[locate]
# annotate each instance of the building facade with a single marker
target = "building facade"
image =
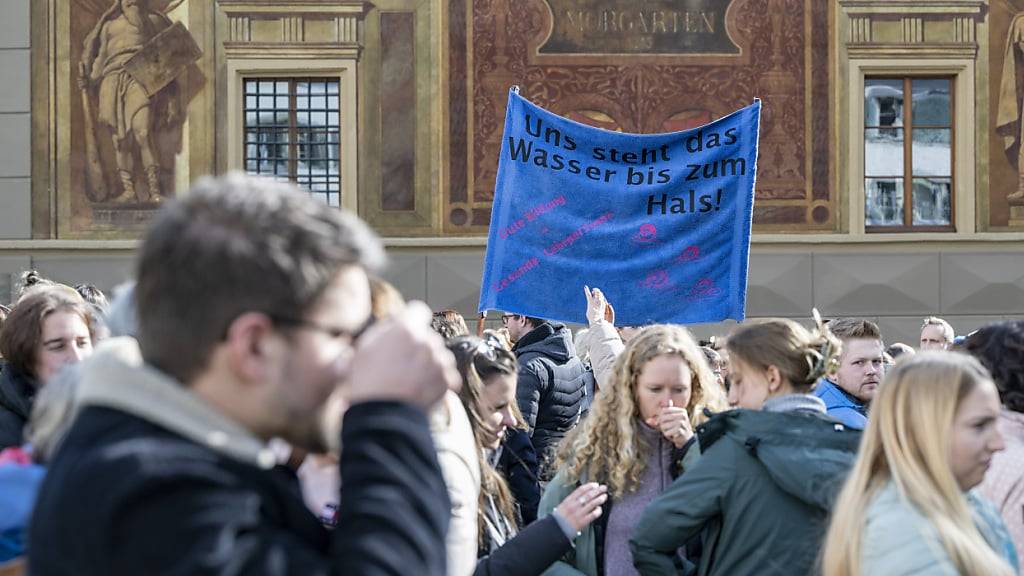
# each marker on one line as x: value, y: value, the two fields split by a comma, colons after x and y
x: 890, y: 180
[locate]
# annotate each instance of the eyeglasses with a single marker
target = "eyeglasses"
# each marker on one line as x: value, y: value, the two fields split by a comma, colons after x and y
x: 333, y: 332
x: 505, y: 317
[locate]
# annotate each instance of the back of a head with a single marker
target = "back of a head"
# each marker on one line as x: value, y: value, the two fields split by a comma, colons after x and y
x: 498, y: 337
x: 23, y: 328
x: 28, y: 282
x: 93, y: 295
x: 801, y: 356
x: 898, y: 350
x: 232, y: 245
x: 854, y: 329
x: 907, y: 442
x: 1000, y: 348
x: 449, y: 324
x: 385, y: 299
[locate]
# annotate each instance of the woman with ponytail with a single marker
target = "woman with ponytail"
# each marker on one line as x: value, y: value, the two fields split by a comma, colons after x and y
x: 908, y: 507
x: 488, y: 394
x: 760, y: 492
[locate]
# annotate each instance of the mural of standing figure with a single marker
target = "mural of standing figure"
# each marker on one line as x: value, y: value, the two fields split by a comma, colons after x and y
x: 1011, y: 102
x: 128, y: 69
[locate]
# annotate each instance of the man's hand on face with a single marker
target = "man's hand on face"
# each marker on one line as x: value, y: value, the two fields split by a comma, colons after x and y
x: 402, y: 359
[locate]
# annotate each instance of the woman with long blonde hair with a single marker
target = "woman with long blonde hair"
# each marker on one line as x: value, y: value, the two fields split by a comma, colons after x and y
x: 907, y: 507
x: 632, y: 442
x: 759, y: 494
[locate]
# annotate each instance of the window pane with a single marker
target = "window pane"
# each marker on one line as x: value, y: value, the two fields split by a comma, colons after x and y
x: 883, y: 102
x: 931, y: 102
x: 932, y: 201
x: 314, y: 125
x: 266, y: 127
x: 272, y: 117
x: 931, y: 152
x: 883, y: 201
x: 883, y: 152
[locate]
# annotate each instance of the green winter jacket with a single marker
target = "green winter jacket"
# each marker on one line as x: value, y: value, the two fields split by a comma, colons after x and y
x: 760, y: 492
x: 583, y: 559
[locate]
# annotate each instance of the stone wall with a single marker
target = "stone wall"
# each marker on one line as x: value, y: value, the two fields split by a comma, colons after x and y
x: 15, y: 121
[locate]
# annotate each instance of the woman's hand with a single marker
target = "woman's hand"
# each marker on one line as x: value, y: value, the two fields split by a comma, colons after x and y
x: 674, y: 424
x: 598, y: 307
x: 583, y: 506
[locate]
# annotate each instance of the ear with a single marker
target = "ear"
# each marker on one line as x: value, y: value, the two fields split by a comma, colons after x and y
x: 774, y: 378
x: 249, y: 345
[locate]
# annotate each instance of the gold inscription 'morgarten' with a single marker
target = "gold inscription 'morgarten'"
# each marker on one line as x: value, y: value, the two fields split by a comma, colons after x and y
x: 639, y: 27
x: 588, y: 22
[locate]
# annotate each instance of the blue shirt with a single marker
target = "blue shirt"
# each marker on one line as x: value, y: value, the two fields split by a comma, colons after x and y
x: 841, y: 406
x: 19, y: 486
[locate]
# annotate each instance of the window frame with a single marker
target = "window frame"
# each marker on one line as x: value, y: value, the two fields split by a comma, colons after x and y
x: 908, y: 177
x: 850, y: 141
x: 341, y: 69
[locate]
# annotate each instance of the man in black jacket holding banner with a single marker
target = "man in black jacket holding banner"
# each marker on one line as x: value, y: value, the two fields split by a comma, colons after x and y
x: 253, y: 309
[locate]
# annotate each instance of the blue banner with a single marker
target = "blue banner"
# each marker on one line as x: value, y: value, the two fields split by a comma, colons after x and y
x: 659, y: 222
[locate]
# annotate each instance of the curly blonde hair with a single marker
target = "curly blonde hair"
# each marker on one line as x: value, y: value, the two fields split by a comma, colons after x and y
x: 607, y: 446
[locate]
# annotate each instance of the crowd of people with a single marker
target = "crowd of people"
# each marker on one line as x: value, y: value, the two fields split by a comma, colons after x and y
x: 259, y: 401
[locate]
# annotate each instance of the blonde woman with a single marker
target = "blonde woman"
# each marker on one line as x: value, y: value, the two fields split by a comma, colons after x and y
x: 632, y: 441
x: 908, y: 507
x: 759, y: 494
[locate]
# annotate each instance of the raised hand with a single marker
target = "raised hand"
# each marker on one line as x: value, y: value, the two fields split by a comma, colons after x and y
x: 583, y: 506
x: 598, y: 307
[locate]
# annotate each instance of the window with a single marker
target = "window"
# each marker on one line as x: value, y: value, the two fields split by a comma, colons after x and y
x: 908, y: 154
x: 293, y: 133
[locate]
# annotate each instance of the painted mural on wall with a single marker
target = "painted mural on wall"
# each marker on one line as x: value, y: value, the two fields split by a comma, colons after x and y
x: 601, y: 75
x: 1006, y: 201
x: 131, y: 64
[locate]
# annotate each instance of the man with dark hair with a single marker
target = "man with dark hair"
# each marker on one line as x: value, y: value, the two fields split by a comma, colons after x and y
x: 848, y: 393
x: 253, y: 308
x: 552, y: 382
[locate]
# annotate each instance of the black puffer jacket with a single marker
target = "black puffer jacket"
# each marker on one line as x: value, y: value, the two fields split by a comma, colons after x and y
x: 551, y: 386
x: 16, y: 393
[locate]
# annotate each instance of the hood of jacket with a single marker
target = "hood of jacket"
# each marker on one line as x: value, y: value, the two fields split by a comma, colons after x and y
x: 807, y: 456
x: 117, y: 377
x: 550, y: 339
x: 16, y: 391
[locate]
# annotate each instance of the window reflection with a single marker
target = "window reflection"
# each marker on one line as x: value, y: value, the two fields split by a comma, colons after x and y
x: 908, y: 153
